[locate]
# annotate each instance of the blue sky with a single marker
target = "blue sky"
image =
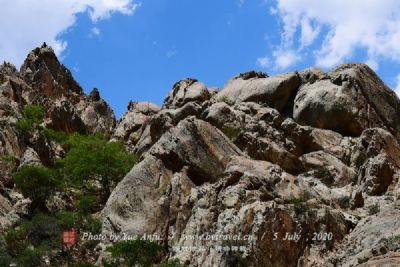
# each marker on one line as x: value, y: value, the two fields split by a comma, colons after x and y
x: 138, y: 50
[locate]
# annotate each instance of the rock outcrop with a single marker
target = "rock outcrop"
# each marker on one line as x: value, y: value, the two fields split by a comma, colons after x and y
x: 305, y: 153
x: 299, y: 169
x: 350, y: 101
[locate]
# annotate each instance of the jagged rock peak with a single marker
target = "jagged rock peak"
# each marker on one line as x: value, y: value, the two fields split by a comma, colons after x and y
x: 8, y: 69
x: 94, y: 95
x: 42, y: 70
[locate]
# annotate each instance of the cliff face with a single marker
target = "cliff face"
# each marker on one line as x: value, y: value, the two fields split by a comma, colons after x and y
x: 312, y: 156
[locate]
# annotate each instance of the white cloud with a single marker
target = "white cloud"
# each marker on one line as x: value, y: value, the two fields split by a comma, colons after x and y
x: 285, y: 58
x: 95, y: 31
x: 397, y: 88
x: 263, y: 62
x: 371, y: 25
x: 26, y: 24
x: 308, y: 32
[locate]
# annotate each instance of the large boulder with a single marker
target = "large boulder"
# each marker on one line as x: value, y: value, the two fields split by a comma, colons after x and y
x: 376, y: 175
x: 275, y: 91
x: 193, y: 152
x: 130, y: 122
x: 198, y: 145
x: 185, y: 91
x: 328, y: 168
x: 353, y: 99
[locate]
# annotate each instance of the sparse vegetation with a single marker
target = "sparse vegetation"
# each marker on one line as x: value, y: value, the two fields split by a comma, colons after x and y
x: 324, y: 174
x: 344, y: 202
x: 390, y: 244
x: 299, y: 203
x: 37, y: 183
x: 31, y: 257
x: 139, y: 253
x: 172, y: 263
x: 8, y: 158
x: 226, y: 99
x: 373, y: 209
x: 231, y: 132
x: 33, y: 116
x: 136, y: 252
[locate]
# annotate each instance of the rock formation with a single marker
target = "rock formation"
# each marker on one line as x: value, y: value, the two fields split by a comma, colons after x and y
x: 309, y: 155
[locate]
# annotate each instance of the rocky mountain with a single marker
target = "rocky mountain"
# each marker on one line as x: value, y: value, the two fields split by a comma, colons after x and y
x: 305, y: 165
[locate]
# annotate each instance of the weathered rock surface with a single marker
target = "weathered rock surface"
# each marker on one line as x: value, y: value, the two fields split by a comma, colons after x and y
x: 274, y: 91
x: 44, y: 73
x: 353, y: 99
x: 303, y: 157
x: 186, y: 91
x: 312, y: 156
x: 374, y: 236
x: 194, y: 149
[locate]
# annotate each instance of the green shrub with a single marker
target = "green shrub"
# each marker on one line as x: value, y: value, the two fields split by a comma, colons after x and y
x: 84, y: 204
x: 324, y: 174
x: 300, y: 205
x: 44, y: 230
x: 91, y: 224
x: 344, y: 202
x: 373, y: 209
x: 5, y: 257
x: 31, y: 257
x: 36, y: 183
x: 8, y: 158
x: 33, y: 116
x: 57, y: 136
x: 16, y: 240
x: 67, y: 220
x: 137, y: 252
x: 230, y: 132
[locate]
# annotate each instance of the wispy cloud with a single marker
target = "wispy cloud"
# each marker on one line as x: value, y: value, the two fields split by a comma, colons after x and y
x: 285, y: 58
x: 95, y: 31
x: 171, y: 53
x: 263, y: 62
x: 28, y: 23
x: 370, y: 25
x: 397, y: 88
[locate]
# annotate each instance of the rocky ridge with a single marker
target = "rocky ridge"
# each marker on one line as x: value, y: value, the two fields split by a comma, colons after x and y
x: 305, y: 152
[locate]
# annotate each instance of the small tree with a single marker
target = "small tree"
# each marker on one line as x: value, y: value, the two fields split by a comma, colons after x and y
x: 36, y: 183
x: 33, y: 116
x: 93, y: 157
